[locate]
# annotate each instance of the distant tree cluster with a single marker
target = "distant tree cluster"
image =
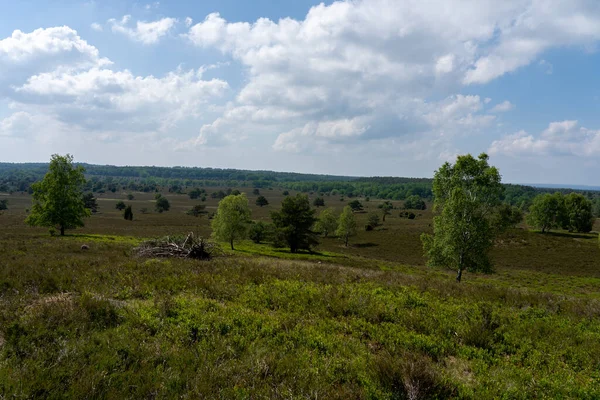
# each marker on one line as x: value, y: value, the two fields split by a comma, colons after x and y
x: 414, y: 203
x: 572, y: 212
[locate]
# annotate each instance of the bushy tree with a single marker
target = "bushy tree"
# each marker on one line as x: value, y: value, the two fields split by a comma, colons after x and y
x: 257, y: 232
x: 130, y: 197
x: 578, y: 213
x: 58, y: 199
x: 346, y: 225
x: 327, y: 222
x: 507, y: 216
x: 195, y: 193
x: 197, y: 210
x: 231, y: 221
x: 90, y: 202
x: 256, y: 192
x: 547, y: 211
x: 319, y: 202
x: 162, y: 204
x: 373, y: 220
x: 262, y: 201
x: 120, y: 205
x: 466, y: 197
x: 355, y: 205
x: 386, y: 209
x: 414, y: 202
x: 295, y: 221
x: 3, y: 204
x: 128, y: 213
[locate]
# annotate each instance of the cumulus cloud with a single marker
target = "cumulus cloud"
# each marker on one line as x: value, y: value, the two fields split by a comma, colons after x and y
x: 380, y: 62
x: 560, y: 138
x: 503, y: 107
x: 144, y: 32
x: 96, y: 27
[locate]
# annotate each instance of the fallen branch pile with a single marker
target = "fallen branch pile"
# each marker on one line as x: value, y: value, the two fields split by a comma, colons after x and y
x: 179, y: 246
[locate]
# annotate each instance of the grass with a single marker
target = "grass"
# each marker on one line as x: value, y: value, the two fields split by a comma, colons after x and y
x: 368, y: 321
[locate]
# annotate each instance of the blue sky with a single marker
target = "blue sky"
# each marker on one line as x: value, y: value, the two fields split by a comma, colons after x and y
x: 371, y: 87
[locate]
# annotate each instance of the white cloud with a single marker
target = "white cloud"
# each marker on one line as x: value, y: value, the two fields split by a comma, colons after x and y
x: 96, y: 27
x: 144, y: 32
x: 188, y: 22
x: 560, y: 138
x: 503, y: 107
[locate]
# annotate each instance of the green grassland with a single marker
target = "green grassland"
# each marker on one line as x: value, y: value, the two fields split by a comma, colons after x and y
x: 368, y: 321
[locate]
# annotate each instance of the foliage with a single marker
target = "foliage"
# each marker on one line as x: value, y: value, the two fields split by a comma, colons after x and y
x: 547, y: 212
x: 373, y: 220
x: 578, y: 213
x: 407, y: 214
x: 58, y: 201
x: 120, y: 205
x: 162, y: 204
x: 319, y: 202
x: 256, y: 191
x: 257, y: 232
x: 195, y: 193
x: 386, y: 209
x: 262, y: 201
x: 355, y: 205
x: 285, y: 193
x: 507, y: 216
x: 327, y: 222
x: 414, y: 202
x: 128, y: 213
x: 295, y: 220
x: 232, y: 218
x: 466, y: 196
x: 346, y: 225
x: 130, y: 196
x: 197, y: 210
x: 90, y: 202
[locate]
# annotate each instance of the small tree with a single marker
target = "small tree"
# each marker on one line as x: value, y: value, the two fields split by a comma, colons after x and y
x: 346, y: 225
x: 128, y: 213
x: 258, y: 231
x: 319, y: 202
x: 466, y: 197
x: 195, y: 193
x: 262, y: 201
x: 130, y: 197
x: 295, y: 221
x: 386, y: 209
x: 58, y: 201
x: 120, y: 206
x: 256, y: 192
x: 547, y: 211
x: 355, y: 205
x: 373, y: 220
x: 90, y: 202
x: 327, y: 222
x: 285, y: 193
x: 578, y: 213
x: 162, y: 204
x: 4, y: 204
x: 230, y: 223
x: 197, y: 210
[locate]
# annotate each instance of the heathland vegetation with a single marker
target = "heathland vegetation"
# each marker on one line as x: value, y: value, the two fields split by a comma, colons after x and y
x: 299, y: 303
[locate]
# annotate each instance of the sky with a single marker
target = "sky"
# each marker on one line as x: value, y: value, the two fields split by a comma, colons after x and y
x: 363, y: 87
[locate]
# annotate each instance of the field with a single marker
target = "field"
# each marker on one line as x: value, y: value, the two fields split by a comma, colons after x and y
x: 367, y: 321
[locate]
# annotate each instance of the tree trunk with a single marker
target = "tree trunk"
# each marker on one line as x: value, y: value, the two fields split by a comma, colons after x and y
x: 62, y: 230
x: 231, y: 242
x: 459, y: 275
x: 383, y: 217
x: 346, y: 240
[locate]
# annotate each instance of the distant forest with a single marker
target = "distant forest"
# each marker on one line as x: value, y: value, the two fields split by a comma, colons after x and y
x: 105, y: 178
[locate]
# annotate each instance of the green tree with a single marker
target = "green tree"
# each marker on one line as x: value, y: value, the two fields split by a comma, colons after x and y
x: 120, y: 205
x: 578, y: 213
x: 231, y: 221
x: 258, y: 231
x: 58, y: 199
x: 355, y: 205
x: 255, y: 191
x: 195, y: 193
x: 466, y: 197
x: 373, y: 220
x: 128, y: 213
x: 90, y: 202
x: 327, y: 222
x: 197, y: 210
x: 547, y: 211
x: 507, y: 216
x: 319, y: 202
x: 346, y: 225
x: 130, y: 197
x: 262, y: 201
x: 162, y: 204
x: 295, y: 221
x: 3, y: 204
x: 414, y: 202
x: 386, y: 209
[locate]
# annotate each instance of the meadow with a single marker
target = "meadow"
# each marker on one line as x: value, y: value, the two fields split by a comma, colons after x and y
x: 367, y: 321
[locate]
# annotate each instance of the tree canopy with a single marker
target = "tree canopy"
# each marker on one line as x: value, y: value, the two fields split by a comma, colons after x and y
x: 262, y: 201
x: 232, y: 219
x: 346, y: 225
x: 327, y: 222
x: 466, y: 197
x: 295, y: 221
x: 547, y: 212
x: 58, y: 198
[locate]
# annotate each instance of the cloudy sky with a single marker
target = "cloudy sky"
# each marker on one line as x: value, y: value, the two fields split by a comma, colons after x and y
x: 371, y: 87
